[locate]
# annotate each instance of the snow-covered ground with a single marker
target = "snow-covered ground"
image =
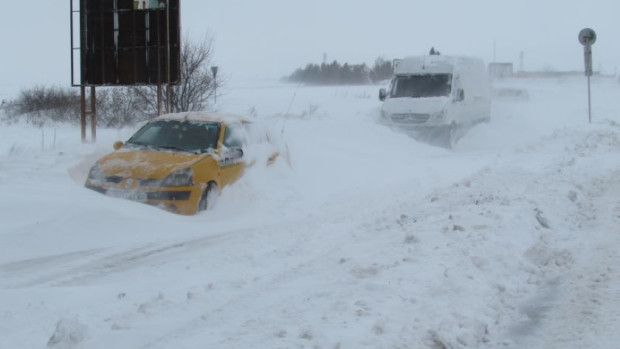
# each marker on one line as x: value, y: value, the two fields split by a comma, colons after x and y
x: 367, y: 239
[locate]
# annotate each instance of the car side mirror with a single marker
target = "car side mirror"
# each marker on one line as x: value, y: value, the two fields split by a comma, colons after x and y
x: 382, y: 94
x: 234, y: 152
x: 117, y: 145
x: 460, y: 95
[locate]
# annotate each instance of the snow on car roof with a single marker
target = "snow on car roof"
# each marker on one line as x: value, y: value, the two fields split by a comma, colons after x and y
x: 202, y: 116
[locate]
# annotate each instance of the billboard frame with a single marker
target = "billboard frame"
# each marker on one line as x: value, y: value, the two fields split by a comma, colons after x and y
x: 108, y: 37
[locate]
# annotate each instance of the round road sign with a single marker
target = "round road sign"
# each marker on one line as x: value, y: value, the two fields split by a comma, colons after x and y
x: 587, y: 37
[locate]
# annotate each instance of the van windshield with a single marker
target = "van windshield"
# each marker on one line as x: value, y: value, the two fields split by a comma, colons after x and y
x: 416, y: 86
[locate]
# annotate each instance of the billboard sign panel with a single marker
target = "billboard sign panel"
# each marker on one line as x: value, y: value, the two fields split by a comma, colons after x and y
x: 129, y: 42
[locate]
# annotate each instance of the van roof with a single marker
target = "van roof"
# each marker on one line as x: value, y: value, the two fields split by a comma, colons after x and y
x: 431, y: 64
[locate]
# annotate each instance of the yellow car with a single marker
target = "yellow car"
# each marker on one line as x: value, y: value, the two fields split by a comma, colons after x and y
x: 175, y: 161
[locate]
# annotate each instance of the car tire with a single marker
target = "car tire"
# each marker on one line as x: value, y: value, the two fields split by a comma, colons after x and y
x: 208, y: 197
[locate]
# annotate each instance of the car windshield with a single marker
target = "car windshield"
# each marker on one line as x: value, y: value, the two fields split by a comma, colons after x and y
x: 416, y: 86
x: 190, y: 136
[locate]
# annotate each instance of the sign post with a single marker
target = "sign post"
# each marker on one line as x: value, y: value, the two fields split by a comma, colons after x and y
x: 214, y: 71
x: 587, y: 37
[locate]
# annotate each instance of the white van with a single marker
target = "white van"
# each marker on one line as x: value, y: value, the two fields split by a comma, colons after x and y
x: 437, y: 97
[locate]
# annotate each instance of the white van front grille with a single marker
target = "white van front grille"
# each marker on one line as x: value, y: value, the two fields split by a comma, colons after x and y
x: 410, y: 118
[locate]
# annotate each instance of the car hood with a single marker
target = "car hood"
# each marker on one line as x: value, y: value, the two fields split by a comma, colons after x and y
x: 147, y: 163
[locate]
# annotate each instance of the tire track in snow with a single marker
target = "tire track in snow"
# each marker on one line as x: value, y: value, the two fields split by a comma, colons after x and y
x: 264, y: 288
x: 82, y: 267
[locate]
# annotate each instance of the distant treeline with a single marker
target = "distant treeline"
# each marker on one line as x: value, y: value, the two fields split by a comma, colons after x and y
x: 343, y: 74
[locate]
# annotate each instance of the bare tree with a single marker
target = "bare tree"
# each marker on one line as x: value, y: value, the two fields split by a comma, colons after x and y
x: 119, y: 106
x: 115, y: 106
x: 197, y: 85
x: 41, y: 104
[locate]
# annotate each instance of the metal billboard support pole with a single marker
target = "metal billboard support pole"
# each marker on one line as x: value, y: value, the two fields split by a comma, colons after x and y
x: 169, y: 86
x: 158, y: 99
x: 93, y: 114
x: 83, y: 112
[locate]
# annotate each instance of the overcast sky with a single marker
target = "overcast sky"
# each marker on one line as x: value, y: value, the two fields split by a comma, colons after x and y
x: 271, y: 38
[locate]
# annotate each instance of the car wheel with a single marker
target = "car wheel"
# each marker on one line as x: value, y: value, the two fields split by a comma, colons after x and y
x: 208, y: 196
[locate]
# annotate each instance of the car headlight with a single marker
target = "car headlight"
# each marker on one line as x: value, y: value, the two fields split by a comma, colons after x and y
x: 180, y: 178
x: 440, y: 116
x: 95, y: 174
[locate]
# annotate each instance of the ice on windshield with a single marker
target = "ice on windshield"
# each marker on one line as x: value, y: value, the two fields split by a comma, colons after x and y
x: 416, y: 86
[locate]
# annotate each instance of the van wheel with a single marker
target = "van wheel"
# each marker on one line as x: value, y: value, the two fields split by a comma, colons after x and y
x: 207, y: 198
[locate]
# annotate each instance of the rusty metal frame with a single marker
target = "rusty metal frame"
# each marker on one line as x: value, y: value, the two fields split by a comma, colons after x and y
x: 92, y: 111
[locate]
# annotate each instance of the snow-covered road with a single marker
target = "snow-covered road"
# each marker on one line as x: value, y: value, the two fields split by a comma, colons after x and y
x: 367, y: 239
